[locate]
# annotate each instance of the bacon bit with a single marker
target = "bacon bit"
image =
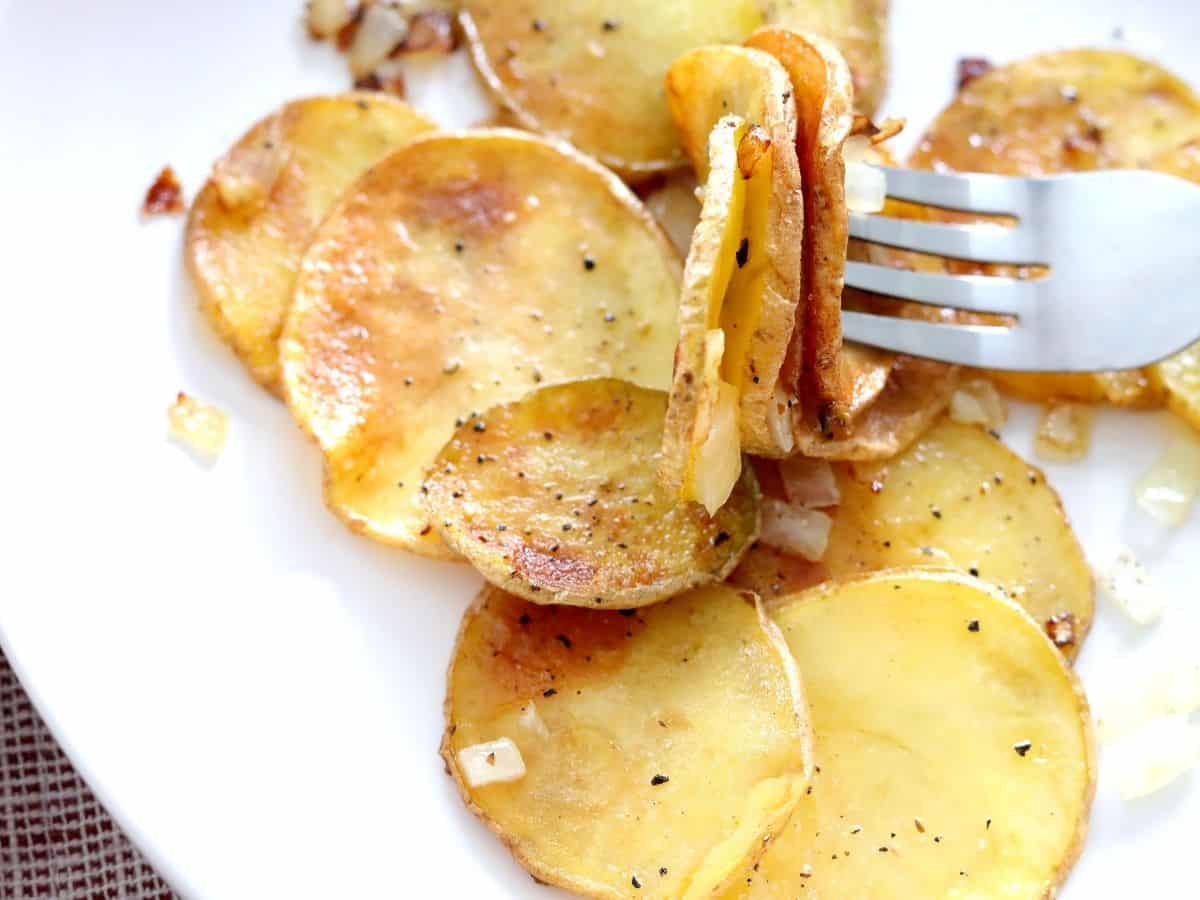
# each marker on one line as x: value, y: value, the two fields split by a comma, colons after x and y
x: 751, y: 148
x: 877, y: 134
x: 165, y: 196
x: 430, y: 32
x: 970, y: 68
x: 1060, y: 628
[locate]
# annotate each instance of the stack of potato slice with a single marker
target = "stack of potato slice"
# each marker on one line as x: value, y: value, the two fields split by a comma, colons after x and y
x: 505, y: 361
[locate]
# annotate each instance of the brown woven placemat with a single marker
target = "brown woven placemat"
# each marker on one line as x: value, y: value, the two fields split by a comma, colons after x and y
x: 56, y: 840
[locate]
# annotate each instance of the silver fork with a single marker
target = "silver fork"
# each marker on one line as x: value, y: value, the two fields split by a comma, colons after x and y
x: 1122, y: 247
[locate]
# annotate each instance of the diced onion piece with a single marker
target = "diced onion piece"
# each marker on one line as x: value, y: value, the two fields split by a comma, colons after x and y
x: 327, y: 17
x: 1155, y: 755
x: 1064, y: 433
x: 719, y: 460
x: 866, y: 188
x: 779, y: 420
x: 245, y: 176
x: 1127, y: 583
x: 1171, y: 691
x: 857, y: 149
x: 977, y: 402
x: 491, y: 762
x: 1168, y: 491
x: 531, y: 721
x: 199, y: 426
x: 809, y: 482
x: 795, y: 530
x: 384, y: 28
x: 675, y: 207
x: 431, y: 31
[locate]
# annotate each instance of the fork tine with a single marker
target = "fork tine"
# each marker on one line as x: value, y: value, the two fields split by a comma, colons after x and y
x: 976, y: 243
x: 978, y: 293
x: 985, y: 346
x: 984, y: 194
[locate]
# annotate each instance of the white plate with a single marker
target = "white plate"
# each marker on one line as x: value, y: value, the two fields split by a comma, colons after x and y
x: 255, y: 693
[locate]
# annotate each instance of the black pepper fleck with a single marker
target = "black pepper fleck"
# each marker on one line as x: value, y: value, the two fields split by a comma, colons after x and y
x: 564, y: 640
x: 1022, y: 747
x: 549, y: 692
x: 589, y: 263
x: 743, y: 252
x: 634, y: 881
x: 721, y: 538
x: 973, y: 625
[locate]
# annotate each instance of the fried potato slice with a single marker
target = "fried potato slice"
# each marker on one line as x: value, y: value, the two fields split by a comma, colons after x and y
x: 822, y: 90
x: 955, y: 746
x: 757, y: 311
x: 555, y: 497
x: 958, y: 498
x: 858, y: 28
x: 251, y: 223
x: 701, y: 447
x: 661, y: 749
x: 592, y: 72
x: 1071, y: 110
x: 459, y: 274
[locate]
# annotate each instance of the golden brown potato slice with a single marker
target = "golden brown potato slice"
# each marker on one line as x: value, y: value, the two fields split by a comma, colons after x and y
x: 458, y: 274
x: 958, y: 498
x: 592, y: 72
x: 954, y: 747
x: 822, y: 91
x: 253, y: 220
x: 556, y: 497
x: 701, y: 451
x: 660, y: 751
x: 757, y: 312
x: 1071, y: 110
x: 858, y: 28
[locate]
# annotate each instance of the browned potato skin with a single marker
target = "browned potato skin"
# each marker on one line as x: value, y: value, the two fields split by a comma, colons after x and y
x: 458, y: 274
x: 915, y: 393
x: 1072, y: 110
x: 591, y: 72
x: 940, y: 505
x: 509, y: 652
x: 243, y: 262
x: 858, y: 28
x: 567, y: 506
x: 822, y: 90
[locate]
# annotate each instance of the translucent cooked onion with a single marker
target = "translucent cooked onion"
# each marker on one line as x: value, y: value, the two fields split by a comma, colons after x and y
x: 1168, y: 491
x: 1064, y: 433
x: 531, y: 720
x: 491, y: 762
x: 977, y: 402
x: 1154, y: 756
x: 327, y: 17
x: 1126, y: 582
x: 199, y: 426
x: 779, y: 420
x: 866, y: 188
x: 809, y: 482
x: 383, y: 28
x: 245, y: 176
x: 794, y: 529
x: 675, y: 207
x: 1171, y: 691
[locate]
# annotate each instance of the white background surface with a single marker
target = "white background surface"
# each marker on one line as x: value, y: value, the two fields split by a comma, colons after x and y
x: 253, y: 691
